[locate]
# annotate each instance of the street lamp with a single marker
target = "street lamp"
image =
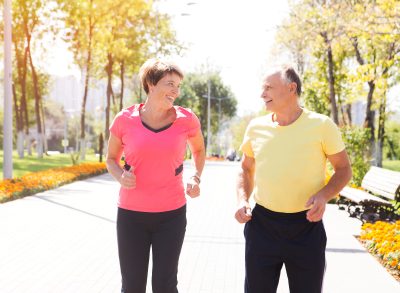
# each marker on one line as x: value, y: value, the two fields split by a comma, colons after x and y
x: 7, y: 126
x: 209, y: 98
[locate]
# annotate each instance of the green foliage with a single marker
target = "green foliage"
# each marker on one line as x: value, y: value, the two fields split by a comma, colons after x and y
x: 238, y: 129
x: 75, y: 156
x: 1, y: 125
x: 392, y: 165
x: 315, y: 95
x: 392, y: 140
x: 356, y: 140
x: 194, y: 95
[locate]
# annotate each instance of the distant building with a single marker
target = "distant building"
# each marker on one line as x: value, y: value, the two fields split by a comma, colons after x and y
x: 68, y: 91
x: 358, y: 109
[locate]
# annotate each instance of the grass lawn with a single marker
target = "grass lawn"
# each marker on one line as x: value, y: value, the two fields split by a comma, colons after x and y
x: 33, y: 163
x: 392, y: 165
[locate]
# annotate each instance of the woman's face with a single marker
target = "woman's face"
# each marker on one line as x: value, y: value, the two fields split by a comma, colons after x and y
x: 166, y: 90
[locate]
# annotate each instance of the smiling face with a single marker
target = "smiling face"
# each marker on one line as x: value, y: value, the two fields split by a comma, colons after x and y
x: 166, y: 90
x: 277, y: 93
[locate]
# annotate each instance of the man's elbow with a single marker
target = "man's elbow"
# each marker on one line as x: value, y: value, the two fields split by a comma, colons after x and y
x: 348, y: 173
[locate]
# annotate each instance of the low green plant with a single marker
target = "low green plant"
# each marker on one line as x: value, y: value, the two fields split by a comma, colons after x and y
x: 357, y: 144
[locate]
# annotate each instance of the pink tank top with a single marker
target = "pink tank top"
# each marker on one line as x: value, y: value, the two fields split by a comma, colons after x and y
x: 157, y: 158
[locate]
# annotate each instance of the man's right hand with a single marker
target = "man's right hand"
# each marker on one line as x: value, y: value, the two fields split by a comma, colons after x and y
x: 243, y: 213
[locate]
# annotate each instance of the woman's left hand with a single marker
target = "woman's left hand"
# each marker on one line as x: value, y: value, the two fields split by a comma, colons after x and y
x: 192, y: 188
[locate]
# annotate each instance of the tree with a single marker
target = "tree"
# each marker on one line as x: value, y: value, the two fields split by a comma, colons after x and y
x: 194, y: 95
x: 29, y: 17
x: 375, y: 38
x: 103, y: 34
x: 126, y: 44
x: 321, y: 22
x: 82, y: 20
x: 346, y: 47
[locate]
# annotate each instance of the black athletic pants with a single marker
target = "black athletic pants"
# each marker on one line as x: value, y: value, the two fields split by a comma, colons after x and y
x: 274, y: 239
x: 137, y: 232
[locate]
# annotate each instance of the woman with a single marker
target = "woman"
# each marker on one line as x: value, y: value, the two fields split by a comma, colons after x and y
x: 152, y: 204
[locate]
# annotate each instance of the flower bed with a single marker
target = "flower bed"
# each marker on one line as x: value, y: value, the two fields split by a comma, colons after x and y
x: 32, y: 183
x: 383, y: 240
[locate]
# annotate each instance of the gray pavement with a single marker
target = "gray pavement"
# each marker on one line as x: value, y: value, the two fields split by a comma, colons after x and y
x: 64, y: 240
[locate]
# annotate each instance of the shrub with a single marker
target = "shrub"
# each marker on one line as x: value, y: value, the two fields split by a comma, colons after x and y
x: 356, y: 140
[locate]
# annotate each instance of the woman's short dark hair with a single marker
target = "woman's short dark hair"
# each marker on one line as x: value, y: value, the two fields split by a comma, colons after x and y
x: 289, y: 74
x: 153, y: 70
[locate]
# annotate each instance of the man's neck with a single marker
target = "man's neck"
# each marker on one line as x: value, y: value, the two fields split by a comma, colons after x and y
x: 287, y: 116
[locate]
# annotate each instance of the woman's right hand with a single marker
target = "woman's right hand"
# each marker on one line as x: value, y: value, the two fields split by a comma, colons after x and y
x: 128, y: 179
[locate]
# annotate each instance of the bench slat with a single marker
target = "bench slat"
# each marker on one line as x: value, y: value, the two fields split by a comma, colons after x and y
x: 379, y: 191
x: 358, y: 195
x: 382, y: 181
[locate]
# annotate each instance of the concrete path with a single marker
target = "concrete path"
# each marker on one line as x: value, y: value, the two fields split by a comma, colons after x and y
x: 64, y: 240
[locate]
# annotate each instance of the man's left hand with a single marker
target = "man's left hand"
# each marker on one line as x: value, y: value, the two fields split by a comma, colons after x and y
x: 317, y: 204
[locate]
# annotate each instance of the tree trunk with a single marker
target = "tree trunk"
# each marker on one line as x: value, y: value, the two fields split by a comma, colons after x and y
x: 44, y: 136
x: 24, y: 104
x: 331, y: 80
x: 369, y: 121
x: 18, y: 124
x: 341, y: 108
x: 121, y: 76
x: 381, y: 131
x: 109, y: 70
x: 85, y: 94
x: 348, y: 115
x: 21, y: 112
x: 39, y: 146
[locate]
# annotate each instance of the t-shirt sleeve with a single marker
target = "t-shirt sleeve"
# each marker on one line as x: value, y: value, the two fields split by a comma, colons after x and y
x: 194, y: 126
x: 332, y: 142
x: 115, y: 127
x: 246, y: 147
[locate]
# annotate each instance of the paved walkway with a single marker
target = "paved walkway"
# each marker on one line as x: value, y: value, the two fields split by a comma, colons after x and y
x: 64, y: 240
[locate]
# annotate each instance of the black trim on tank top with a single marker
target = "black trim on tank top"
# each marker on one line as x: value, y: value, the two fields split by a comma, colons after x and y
x: 157, y: 130
x: 179, y: 170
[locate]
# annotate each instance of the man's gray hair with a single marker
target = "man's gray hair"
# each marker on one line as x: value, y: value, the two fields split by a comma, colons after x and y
x: 288, y: 74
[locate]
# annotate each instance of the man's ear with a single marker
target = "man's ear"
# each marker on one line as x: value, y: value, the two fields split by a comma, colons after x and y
x: 293, y: 87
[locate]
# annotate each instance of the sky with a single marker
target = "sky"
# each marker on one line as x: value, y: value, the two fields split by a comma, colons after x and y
x: 235, y: 37
x: 232, y: 36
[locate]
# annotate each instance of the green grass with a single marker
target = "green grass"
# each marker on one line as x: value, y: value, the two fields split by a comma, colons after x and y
x: 392, y: 165
x: 33, y: 163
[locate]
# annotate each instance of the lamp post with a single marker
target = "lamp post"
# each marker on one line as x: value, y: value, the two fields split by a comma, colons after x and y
x: 208, y: 117
x: 209, y: 98
x: 7, y: 127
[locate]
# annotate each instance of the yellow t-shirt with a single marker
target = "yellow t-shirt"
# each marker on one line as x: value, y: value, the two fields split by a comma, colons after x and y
x: 290, y: 160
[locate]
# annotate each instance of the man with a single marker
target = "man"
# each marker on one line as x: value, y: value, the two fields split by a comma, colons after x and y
x: 284, y: 161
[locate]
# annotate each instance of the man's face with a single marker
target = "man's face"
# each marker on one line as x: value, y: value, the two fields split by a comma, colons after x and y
x: 276, y: 93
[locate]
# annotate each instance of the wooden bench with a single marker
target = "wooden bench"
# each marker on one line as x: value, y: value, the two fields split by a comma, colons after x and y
x: 379, y: 199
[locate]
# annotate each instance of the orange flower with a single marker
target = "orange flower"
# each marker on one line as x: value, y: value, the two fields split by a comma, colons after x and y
x: 39, y: 181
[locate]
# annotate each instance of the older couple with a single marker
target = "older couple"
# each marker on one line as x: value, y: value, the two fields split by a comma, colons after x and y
x: 283, y: 166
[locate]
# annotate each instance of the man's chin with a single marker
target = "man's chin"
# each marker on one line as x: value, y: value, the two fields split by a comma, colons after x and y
x: 268, y: 107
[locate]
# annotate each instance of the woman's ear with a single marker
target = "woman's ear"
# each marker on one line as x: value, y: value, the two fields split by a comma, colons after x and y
x: 151, y: 87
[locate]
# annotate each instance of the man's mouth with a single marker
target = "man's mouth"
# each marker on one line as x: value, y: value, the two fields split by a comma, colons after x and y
x: 171, y: 99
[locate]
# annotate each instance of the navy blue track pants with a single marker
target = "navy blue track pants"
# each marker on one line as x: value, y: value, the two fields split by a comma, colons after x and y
x: 274, y: 239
